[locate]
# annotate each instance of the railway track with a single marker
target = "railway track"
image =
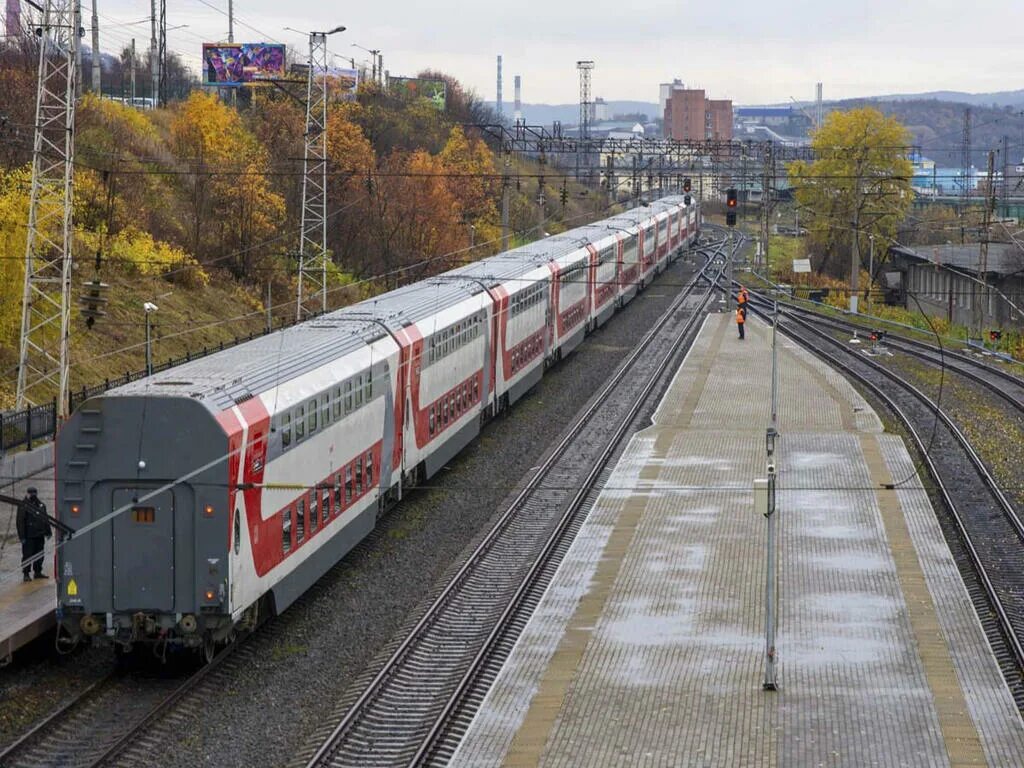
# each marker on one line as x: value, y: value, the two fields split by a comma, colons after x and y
x: 999, y: 381
x: 102, y: 719
x: 985, y: 532
x: 418, y: 705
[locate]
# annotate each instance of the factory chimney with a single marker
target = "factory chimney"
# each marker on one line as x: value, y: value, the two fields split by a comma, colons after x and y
x: 518, y: 115
x: 498, y: 101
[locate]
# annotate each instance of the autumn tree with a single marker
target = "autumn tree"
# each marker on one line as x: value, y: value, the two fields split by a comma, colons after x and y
x: 414, y: 221
x: 469, y: 166
x: 233, y: 206
x: 858, y: 186
x: 351, y: 171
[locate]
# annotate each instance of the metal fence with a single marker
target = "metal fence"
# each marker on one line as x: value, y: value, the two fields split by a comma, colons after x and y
x: 28, y: 426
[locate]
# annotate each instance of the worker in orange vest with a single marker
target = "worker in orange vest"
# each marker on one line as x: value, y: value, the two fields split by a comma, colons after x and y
x: 741, y: 318
x: 742, y: 298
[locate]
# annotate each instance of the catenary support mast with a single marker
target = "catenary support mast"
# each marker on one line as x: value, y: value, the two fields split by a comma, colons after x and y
x: 45, y: 318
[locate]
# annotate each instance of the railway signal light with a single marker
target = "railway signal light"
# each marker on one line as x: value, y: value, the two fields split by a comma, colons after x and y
x: 92, y: 301
x: 686, y: 184
x: 687, y: 199
x: 995, y: 335
x: 730, y: 206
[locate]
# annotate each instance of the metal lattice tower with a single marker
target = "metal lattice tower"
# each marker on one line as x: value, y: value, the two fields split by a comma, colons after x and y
x: 585, y: 68
x: 313, y: 239
x: 161, y: 59
x: 965, y: 160
x: 46, y: 300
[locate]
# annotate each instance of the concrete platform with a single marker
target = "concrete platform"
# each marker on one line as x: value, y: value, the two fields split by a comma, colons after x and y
x: 648, y: 647
x: 26, y: 610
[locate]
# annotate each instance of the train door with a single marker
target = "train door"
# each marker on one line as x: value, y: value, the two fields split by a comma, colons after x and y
x: 143, y: 548
x: 549, y: 318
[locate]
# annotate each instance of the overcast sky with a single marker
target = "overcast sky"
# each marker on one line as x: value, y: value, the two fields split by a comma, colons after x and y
x: 757, y: 51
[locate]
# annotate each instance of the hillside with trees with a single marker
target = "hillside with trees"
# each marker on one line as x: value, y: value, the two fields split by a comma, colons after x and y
x: 201, y: 202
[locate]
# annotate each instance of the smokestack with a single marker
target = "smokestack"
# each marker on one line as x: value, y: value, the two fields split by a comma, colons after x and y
x: 519, y: 101
x: 818, y: 116
x: 13, y: 18
x: 499, y: 86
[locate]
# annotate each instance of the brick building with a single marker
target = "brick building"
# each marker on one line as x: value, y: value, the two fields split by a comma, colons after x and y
x: 689, y: 114
x: 718, y: 119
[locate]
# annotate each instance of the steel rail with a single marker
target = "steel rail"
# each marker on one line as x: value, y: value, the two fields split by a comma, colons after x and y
x: 357, y: 710
x: 164, y: 705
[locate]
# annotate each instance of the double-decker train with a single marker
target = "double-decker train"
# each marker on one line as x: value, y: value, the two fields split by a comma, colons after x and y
x: 228, y: 485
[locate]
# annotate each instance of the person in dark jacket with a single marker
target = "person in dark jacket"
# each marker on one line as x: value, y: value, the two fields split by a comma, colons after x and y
x: 33, y: 531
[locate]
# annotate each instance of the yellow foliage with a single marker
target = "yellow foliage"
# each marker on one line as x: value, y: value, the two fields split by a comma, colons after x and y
x: 242, y: 207
x: 470, y: 164
x: 860, y: 180
x: 14, y: 189
x: 139, y: 252
x: 118, y: 118
x: 347, y: 148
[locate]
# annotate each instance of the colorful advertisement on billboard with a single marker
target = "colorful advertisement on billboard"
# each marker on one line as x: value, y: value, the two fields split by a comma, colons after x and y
x: 230, y: 64
x: 342, y: 84
x: 419, y: 88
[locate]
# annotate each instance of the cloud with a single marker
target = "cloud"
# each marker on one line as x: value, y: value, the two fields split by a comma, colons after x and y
x: 748, y: 50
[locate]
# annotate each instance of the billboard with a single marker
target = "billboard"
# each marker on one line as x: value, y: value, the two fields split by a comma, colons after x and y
x: 419, y: 88
x: 342, y: 84
x: 228, y: 64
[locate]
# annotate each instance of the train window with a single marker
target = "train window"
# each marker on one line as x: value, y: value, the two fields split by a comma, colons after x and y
x: 348, y: 396
x: 238, y: 531
x: 359, y: 476
x: 337, y: 492
x: 300, y: 521
x: 313, y: 510
x: 369, y: 469
x: 286, y: 429
x: 337, y: 403
x: 430, y: 420
x: 300, y: 423
x: 369, y: 386
x: 325, y: 409
x: 444, y: 411
x: 359, y: 390
x: 348, y: 485
x: 476, y: 389
x: 325, y: 503
x: 311, y: 418
x: 286, y: 530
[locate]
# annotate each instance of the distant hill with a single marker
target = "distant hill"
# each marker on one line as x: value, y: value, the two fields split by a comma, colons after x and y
x: 997, y: 98
x: 938, y: 128
x: 569, y: 114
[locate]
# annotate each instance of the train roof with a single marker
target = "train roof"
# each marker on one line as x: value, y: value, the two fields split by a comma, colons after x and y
x: 235, y: 374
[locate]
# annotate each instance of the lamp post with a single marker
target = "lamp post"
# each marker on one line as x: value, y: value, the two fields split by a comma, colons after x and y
x: 770, y: 680
x: 149, y: 308
x: 375, y: 60
x: 871, y: 269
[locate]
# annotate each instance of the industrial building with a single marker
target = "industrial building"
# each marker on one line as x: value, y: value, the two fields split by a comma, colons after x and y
x: 690, y: 115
